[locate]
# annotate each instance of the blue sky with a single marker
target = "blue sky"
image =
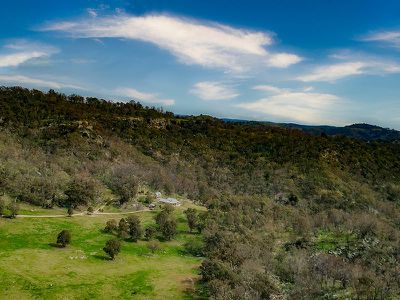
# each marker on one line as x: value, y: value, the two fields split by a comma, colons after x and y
x: 310, y: 62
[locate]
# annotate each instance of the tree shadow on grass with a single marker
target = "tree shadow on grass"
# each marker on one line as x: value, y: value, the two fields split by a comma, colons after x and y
x: 102, y: 257
x: 55, y: 245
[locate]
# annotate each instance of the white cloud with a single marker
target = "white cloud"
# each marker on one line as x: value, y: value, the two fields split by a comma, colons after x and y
x: 334, y: 72
x: 21, y: 79
x: 341, y: 70
x: 391, y: 38
x: 269, y: 88
x: 145, y: 97
x: 15, y: 59
x: 23, y: 51
x: 192, y: 42
x: 283, y: 60
x: 208, y: 90
x: 298, y: 106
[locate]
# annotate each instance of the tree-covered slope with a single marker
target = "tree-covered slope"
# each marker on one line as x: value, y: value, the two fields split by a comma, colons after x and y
x: 291, y: 215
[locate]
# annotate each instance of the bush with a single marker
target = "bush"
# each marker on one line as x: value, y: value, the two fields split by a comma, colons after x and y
x: 70, y: 211
x: 64, y: 238
x: 150, y: 232
x: 81, y: 191
x: 194, y: 247
x: 112, y: 248
x: 135, y: 228
x: 111, y: 226
x: 14, y: 208
x: 2, y: 206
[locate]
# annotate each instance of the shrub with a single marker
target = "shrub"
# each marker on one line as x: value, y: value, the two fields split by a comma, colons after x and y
x: 64, y: 238
x: 150, y: 232
x: 194, y: 247
x: 135, y: 228
x: 111, y: 226
x: 112, y: 248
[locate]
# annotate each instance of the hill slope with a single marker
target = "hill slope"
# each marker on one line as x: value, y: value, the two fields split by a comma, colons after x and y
x: 359, y: 131
x: 291, y: 215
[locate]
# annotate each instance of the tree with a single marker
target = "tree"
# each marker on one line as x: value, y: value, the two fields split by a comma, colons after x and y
x: 194, y: 247
x: 90, y: 210
x: 14, y: 208
x: 166, y: 222
x: 191, y: 216
x: 123, y: 182
x: 150, y: 232
x: 81, y: 191
x: 201, y: 221
x: 70, y: 211
x: 111, y: 226
x: 123, y: 229
x: 2, y: 206
x: 112, y: 248
x: 168, y: 229
x: 135, y: 229
x: 164, y: 214
x: 64, y: 238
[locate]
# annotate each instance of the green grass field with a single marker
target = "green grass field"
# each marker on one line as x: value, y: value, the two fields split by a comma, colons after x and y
x: 31, y: 267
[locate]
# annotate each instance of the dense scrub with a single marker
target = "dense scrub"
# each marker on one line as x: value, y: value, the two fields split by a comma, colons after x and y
x: 290, y: 214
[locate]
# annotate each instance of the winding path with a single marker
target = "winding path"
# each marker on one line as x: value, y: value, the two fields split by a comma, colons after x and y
x: 83, y: 214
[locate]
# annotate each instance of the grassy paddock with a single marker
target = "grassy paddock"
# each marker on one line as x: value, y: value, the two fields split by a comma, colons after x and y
x: 31, y: 267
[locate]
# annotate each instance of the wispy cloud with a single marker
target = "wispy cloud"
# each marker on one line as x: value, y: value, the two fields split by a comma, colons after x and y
x: 390, y: 38
x: 21, y: 79
x: 209, y: 91
x: 334, y: 72
x: 341, y: 70
x: 20, y: 51
x: 299, y: 106
x: 269, y: 88
x: 192, y: 42
x: 143, y: 97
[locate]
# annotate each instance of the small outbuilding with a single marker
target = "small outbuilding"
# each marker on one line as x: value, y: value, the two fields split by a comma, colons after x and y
x: 170, y: 201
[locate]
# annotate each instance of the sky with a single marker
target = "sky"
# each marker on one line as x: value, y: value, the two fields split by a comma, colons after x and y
x: 308, y: 62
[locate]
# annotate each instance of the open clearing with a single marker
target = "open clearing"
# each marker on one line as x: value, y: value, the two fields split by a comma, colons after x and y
x: 31, y: 267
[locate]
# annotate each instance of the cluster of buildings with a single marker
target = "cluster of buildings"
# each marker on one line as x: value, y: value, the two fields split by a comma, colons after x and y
x: 161, y: 200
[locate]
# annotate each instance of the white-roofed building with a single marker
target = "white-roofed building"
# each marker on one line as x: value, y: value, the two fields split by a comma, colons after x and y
x: 170, y: 201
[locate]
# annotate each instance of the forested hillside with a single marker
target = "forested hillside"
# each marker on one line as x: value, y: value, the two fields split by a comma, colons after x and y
x: 290, y: 214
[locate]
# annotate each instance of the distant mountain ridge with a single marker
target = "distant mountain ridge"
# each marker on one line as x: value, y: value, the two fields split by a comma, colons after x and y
x: 361, y: 131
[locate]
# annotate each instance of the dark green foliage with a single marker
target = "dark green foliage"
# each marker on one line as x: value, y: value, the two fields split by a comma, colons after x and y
x: 112, y: 248
x: 2, y: 206
x: 166, y: 222
x: 150, y: 232
x: 123, y: 229
x: 135, y: 228
x: 168, y: 228
x: 123, y: 182
x: 191, y: 216
x: 14, y: 208
x: 64, y: 238
x: 111, y: 226
x: 201, y: 221
x: 81, y: 191
x: 194, y: 247
x: 70, y: 211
